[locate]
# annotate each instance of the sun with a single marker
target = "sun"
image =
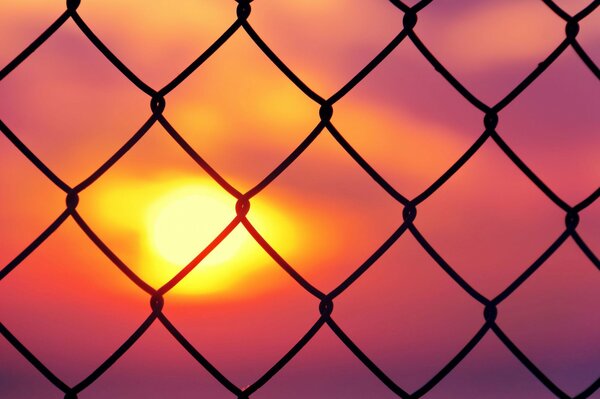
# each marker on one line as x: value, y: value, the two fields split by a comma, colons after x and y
x: 159, y: 225
x: 183, y: 222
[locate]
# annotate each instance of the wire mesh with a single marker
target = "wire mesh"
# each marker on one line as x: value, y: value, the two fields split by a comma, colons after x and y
x: 325, y: 310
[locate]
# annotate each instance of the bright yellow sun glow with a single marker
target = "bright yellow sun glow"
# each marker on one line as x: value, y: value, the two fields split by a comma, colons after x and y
x: 184, y: 221
x: 159, y: 226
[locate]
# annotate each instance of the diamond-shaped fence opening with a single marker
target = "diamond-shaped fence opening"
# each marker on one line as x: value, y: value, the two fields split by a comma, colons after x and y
x: 323, y: 125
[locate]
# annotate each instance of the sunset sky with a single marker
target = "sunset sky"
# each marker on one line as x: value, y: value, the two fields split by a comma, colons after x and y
x: 157, y: 209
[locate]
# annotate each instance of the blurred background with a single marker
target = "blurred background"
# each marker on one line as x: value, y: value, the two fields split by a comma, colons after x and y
x: 157, y: 209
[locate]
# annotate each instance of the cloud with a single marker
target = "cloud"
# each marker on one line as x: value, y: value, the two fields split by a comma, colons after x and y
x: 502, y: 33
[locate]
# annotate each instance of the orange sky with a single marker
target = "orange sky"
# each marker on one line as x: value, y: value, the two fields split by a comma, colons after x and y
x: 323, y: 214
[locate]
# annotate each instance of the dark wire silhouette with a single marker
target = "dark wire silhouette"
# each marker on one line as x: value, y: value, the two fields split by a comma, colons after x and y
x: 326, y: 306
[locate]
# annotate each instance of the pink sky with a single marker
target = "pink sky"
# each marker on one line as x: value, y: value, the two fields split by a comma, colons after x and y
x: 72, y: 307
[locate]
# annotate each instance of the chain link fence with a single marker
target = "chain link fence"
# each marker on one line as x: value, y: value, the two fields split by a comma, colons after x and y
x: 325, y: 313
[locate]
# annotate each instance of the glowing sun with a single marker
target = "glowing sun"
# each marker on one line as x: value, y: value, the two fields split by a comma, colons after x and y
x: 160, y: 225
x: 183, y: 222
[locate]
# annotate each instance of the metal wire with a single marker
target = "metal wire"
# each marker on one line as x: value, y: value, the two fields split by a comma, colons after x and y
x: 325, y: 310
